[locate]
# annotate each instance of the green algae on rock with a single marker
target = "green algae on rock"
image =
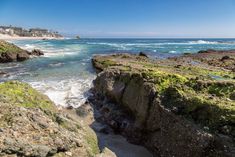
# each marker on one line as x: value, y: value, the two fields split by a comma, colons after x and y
x: 179, y: 107
x: 21, y: 94
x: 31, y: 125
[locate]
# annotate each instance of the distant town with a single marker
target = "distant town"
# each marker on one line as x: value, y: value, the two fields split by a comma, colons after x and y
x: 32, y: 32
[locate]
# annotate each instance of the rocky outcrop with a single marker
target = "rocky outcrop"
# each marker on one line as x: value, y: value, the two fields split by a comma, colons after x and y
x: 30, y: 125
x: 217, y: 58
x: 174, y: 107
x: 36, y: 52
x: 10, y: 53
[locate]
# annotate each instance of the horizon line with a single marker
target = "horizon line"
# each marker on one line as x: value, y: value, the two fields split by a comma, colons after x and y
x: 152, y: 37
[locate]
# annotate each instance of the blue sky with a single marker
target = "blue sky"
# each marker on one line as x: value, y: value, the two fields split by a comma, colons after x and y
x: 124, y: 18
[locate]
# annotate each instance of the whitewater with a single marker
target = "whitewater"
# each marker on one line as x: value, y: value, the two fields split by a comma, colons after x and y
x: 65, y: 72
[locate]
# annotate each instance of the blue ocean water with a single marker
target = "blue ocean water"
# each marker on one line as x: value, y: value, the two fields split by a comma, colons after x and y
x: 65, y: 73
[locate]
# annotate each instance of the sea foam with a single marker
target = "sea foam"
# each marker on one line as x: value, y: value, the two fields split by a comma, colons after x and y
x: 71, y: 92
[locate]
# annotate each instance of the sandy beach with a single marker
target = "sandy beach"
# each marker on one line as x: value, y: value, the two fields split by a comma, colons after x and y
x: 8, y: 37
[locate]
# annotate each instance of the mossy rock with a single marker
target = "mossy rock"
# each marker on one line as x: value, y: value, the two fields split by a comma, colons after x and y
x: 10, y: 52
x: 8, y: 47
x: 92, y: 142
x: 22, y: 94
x: 34, y: 115
x: 201, y: 93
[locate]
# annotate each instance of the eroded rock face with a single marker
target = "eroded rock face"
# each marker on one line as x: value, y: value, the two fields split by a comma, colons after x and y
x: 30, y: 125
x: 172, y: 110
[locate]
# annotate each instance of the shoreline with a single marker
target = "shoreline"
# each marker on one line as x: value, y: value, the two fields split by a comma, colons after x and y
x: 7, y: 37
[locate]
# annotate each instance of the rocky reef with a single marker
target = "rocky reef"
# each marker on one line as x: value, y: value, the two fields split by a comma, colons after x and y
x: 10, y: 53
x: 31, y: 125
x: 180, y: 106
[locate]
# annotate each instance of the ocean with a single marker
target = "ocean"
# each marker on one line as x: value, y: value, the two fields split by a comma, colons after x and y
x: 65, y: 72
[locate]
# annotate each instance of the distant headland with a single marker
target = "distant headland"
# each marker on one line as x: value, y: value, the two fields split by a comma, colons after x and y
x: 12, y: 32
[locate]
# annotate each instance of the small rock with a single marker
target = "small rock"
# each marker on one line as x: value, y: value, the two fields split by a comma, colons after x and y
x: 70, y: 107
x: 143, y: 54
x: 37, y: 52
x: 42, y: 150
x: 68, y: 153
x: 225, y: 58
x: 206, y: 128
x: 178, y: 66
x: 232, y: 96
x: 2, y: 73
x: 226, y: 129
x: 113, y: 124
x: 83, y: 110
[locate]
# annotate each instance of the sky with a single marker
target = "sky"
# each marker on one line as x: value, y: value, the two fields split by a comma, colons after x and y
x: 125, y: 18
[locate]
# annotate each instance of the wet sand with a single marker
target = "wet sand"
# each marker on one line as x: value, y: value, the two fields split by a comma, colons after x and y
x: 115, y: 143
x: 122, y: 148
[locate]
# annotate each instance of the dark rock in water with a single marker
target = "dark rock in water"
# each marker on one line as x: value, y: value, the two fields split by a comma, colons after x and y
x: 2, y: 73
x: 37, y: 52
x: 143, y: 54
x: 225, y: 58
x: 207, y: 51
x: 187, y: 53
x: 216, y: 51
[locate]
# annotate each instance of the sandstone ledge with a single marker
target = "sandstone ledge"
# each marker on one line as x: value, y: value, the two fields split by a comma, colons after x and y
x: 181, y: 106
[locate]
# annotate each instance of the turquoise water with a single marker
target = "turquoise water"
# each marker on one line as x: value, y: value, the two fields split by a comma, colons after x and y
x: 65, y: 73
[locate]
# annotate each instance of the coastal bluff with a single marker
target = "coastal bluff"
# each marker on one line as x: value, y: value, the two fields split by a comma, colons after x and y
x: 179, y: 106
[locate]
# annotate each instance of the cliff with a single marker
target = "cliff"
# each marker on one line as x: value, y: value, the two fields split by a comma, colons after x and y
x: 181, y: 106
x: 31, y: 125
